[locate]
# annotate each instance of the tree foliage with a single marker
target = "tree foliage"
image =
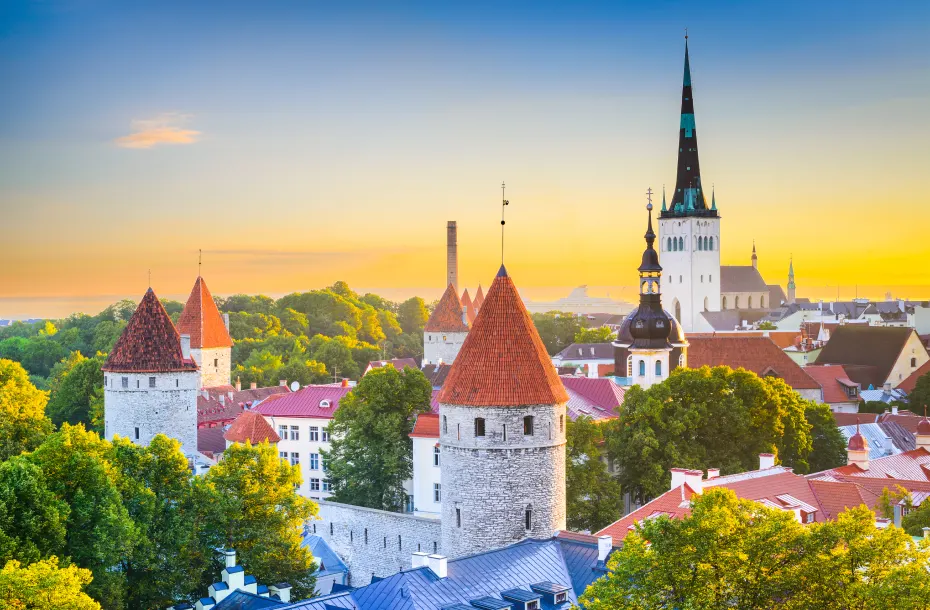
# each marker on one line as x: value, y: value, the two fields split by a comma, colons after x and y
x: 593, y: 497
x: 44, y: 585
x: 23, y: 423
x: 601, y: 334
x: 919, y: 397
x: 73, y: 385
x: 371, y: 449
x: 32, y: 518
x: 732, y: 553
x: 557, y: 329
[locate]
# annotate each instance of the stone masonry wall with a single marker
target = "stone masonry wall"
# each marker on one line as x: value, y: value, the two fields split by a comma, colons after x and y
x: 489, y: 482
x: 169, y: 408
x: 439, y: 345
x: 215, y: 365
x: 375, y: 542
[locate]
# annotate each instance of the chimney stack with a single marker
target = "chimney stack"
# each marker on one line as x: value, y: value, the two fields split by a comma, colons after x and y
x: 713, y: 473
x: 282, y: 590
x: 693, y: 480
x: 238, y: 384
x: 678, y: 477
x: 439, y: 565
x: 253, y: 385
x: 186, y: 346
x: 345, y: 383
x: 282, y: 382
x: 419, y: 560
x: 604, y: 544
x: 766, y: 460
x: 452, y: 255
x: 230, y: 557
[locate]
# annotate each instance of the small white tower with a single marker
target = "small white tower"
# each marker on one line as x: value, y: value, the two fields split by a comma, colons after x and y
x: 150, y: 381
x: 857, y: 450
x: 446, y: 329
x: 211, y: 345
x: 502, y: 432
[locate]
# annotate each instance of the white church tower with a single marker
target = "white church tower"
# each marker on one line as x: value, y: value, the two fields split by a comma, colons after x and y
x: 211, y: 345
x: 502, y: 432
x: 150, y: 380
x: 689, y: 231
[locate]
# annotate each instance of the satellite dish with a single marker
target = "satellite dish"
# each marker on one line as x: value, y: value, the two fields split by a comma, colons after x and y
x: 295, y: 385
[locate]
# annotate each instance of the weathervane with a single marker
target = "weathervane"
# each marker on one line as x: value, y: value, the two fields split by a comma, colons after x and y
x: 504, y: 203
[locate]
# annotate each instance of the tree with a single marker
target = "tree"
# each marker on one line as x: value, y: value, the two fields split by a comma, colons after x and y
x: 370, y: 458
x: 32, y: 519
x: 261, y: 516
x: 41, y: 354
x: 593, y: 496
x: 100, y: 532
x: 412, y: 315
x: 917, y: 519
x: 73, y: 384
x: 888, y: 499
x: 766, y: 325
x: 690, y: 420
x: 557, y: 329
x: 919, y: 397
x: 601, y: 334
x: 23, y: 424
x: 732, y: 553
x: 828, y: 443
x: 44, y: 585
x: 106, y: 333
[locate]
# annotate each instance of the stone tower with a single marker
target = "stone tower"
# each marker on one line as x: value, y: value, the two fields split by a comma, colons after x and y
x: 689, y: 230
x: 502, y: 432
x: 446, y: 329
x: 791, y: 285
x: 452, y: 255
x: 211, y: 345
x: 650, y: 343
x: 150, y: 381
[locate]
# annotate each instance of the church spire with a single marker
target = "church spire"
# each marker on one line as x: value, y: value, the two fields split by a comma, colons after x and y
x: 688, y: 197
x: 755, y: 259
x: 791, y: 286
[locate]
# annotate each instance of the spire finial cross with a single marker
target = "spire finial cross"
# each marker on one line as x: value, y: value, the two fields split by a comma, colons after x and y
x: 649, y: 197
x: 504, y: 203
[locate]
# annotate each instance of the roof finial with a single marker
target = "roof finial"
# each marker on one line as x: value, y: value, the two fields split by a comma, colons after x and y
x: 686, y: 33
x: 650, y: 234
x: 199, y: 261
x: 664, y: 207
x: 504, y: 203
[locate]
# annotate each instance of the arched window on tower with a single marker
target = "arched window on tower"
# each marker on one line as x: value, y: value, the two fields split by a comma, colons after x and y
x: 528, y: 517
x: 528, y: 425
x: 762, y: 302
x: 749, y: 304
x: 706, y: 302
x: 658, y: 368
x: 681, y: 360
x: 642, y: 368
x: 711, y: 243
x: 700, y: 243
x: 736, y: 302
x: 668, y: 243
x: 677, y: 310
x: 723, y: 303
x: 681, y: 243
x: 707, y: 243
x: 445, y: 425
x: 629, y: 365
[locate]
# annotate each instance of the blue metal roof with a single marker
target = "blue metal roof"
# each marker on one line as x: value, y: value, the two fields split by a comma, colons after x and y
x: 490, y: 603
x: 548, y: 587
x: 234, y: 569
x: 581, y: 561
x: 219, y: 586
x: 241, y: 600
x: 331, y: 564
x: 520, y: 595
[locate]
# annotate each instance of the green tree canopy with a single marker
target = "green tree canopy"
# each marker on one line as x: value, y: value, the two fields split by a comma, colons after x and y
x: 412, y: 315
x: 32, y: 518
x: 732, y: 553
x: 23, y: 423
x: 44, y: 585
x: 73, y: 385
x: 601, y: 334
x: 557, y: 329
x: 371, y: 449
x: 919, y: 398
x: 593, y: 497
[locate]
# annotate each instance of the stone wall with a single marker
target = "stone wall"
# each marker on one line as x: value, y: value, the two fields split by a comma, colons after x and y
x: 215, y: 365
x: 489, y: 482
x: 375, y: 542
x: 169, y: 408
x: 441, y: 346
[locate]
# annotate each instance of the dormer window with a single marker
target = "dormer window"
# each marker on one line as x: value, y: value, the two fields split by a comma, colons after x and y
x: 324, y: 404
x: 560, y: 598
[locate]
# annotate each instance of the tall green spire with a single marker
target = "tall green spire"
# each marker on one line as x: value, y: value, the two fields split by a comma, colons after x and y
x: 664, y: 208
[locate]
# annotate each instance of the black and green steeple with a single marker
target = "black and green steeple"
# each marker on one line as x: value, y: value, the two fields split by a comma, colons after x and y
x: 688, y: 197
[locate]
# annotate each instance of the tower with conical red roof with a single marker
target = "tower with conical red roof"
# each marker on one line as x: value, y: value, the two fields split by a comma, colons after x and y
x: 502, y: 432
x: 211, y: 345
x: 150, y: 380
x: 689, y: 230
x: 446, y: 329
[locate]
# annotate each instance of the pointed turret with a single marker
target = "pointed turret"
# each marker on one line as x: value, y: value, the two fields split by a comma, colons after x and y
x: 202, y: 320
x: 688, y: 198
x: 447, y: 317
x: 503, y: 361
x: 469, y: 307
x: 479, y: 300
x: 791, y: 285
x: 446, y: 329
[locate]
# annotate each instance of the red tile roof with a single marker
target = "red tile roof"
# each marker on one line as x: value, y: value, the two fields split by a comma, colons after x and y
x: 871, y: 351
x: 479, y: 299
x: 149, y: 343
x: 911, y: 380
x: 836, y: 496
x: 907, y: 420
x: 781, y: 338
x: 850, y: 419
x: 447, y: 317
x: 202, y: 320
x: 833, y: 379
x: 211, y: 409
x: 601, y: 391
x: 469, y: 307
x: 426, y: 426
x: 503, y: 362
x: 910, y: 465
x: 211, y: 441
x: 306, y: 402
x: 251, y: 426
x: 757, y: 354
x: 675, y: 504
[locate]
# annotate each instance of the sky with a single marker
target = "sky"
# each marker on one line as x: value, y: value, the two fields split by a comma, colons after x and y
x: 300, y: 143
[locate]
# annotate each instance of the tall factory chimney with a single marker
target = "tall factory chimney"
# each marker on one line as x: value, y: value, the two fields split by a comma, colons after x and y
x: 452, y: 256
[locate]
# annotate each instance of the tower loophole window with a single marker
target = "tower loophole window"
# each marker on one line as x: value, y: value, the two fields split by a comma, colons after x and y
x: 479, y: 426
x: 528, y: 425
x: 528, y: 517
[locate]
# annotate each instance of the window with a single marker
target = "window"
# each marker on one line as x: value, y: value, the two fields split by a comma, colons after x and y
x: 736, y: 302
x: 700, y: 243
x: 445, y: 425
x: 137, y: 384
x: 528, y: 425
x: 435, y: 547
x: 658, y: 368
x: 282, y: 455
x: 629, y: 365
x: 282, y: 432
x: 913, y: 362
x: 125, y: 381
x: 669, y: 244
x: 681, y: 246
x: 366, y: 535
x: 385, y: 542
x: 505, y: 432
x: 295, y: 433
x: 762, y: 302
x: 710, y: 279
x: 711, y: 243
x: 560, y: 598
x: 436, y: 455
x: 324, y: 435
x: 443, y: 337
x: 681, y: 360
x: 295, y: 459
x: 749, y: 304
x: 532, y: 605
x: 315, y: 486
x: 528, y: 517
x: 177, y: 383
x: 351, y: 537
x: 314, y: 461
x: 437, y: 492
x: 216, y: 363
x: 458, y: 431
x: 399, y: 547
x: 314, y: 434
x: 330, y: 529
x: 326, y: 486
x: 458, y: 517
x: 724, y: 303
x: 642, y: 368
x: 479, y: 426
x: 151, y: 382
x: 137, y: 432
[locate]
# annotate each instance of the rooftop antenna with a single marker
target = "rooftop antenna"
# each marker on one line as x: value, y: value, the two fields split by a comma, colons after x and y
x: 504, y: 204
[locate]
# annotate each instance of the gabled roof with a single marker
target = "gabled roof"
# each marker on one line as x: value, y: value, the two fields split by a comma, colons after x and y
x: 503, y: 362
x: 479, y: 299
x: 224, y: 403
x: 243, y: 600
x: 777, y: 295
x: 601, y: 391
x: 436, y: 373
x: 468, y: 306
x: 149, y: 343
x: 834, y: 380
x: 911, y: 380
x: 202, y: 320
x: 757, y: 354
x: 837, y: 496
x: 587, y: 351
x: 447, y: 317
x: 910, y: 466
x: 210, y: 440
x: 331, y: 563
x: 252, y: 427
x: 871, y: 351
x: 306, y: 402
x: 426, y: 426
x: 742, y: 278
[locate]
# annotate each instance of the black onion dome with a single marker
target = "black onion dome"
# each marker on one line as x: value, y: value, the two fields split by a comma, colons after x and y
x: 625, y: 336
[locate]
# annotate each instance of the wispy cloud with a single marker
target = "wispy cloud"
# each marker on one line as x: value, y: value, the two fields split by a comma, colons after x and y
x: 164, y: 129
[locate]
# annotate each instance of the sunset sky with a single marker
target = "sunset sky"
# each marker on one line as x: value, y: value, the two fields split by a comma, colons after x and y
x: 300, y: 143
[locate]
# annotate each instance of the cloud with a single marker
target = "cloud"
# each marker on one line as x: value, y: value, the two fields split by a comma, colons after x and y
x: 163, y: 129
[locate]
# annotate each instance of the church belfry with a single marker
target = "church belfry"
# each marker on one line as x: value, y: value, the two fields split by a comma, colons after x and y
x: 689, y: 230
x: 791, y: 285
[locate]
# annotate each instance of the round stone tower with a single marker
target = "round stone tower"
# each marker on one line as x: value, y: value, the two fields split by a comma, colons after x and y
x: 502, y: 432
x: 150, y: 381
x: 446, y: 329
